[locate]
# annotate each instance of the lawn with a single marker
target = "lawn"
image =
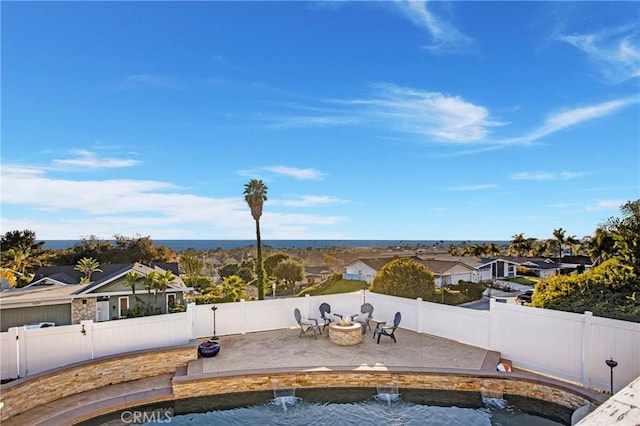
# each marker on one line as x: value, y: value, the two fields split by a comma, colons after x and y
x: 334, y: 285
x: 523, y: 280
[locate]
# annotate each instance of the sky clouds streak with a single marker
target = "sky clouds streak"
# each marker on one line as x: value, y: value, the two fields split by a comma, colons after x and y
x: 614, y: 51
x: 88, y: 160
x: 542, y: 175
x: 445, y: 118
x: 302, y: 174
x: 445, y: 37
x: 571, y: 118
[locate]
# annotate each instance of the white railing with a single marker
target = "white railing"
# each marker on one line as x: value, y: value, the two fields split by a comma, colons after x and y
x: 564, y: 345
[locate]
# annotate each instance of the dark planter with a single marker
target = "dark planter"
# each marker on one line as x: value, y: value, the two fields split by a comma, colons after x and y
x: 208, y: 348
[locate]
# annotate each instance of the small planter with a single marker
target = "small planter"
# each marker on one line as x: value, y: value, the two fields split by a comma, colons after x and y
x: 208, y: 348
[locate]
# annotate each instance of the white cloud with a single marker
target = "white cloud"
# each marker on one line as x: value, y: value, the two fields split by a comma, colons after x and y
x: 614, y: 51
x: 605, y: 205
x: 125, y: 206
x: 446, y: 38
x: 446, y: 118
x: 88, y: 160
x: 302, y: 174
x: 571, y: 118
x: 541, y: 175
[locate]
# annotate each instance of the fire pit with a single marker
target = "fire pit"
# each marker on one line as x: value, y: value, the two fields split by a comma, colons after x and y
x: 345, y: 332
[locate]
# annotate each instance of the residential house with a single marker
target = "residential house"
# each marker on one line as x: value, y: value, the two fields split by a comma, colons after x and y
x: 56, y: 295
x: 314, y: 275
x: 445, y: 271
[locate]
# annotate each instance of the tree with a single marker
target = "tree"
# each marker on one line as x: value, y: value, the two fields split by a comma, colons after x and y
x: 20, y: 251
x: 23, y: 239
x: 255, y: 194
x: 626, y: 234
x: 8, y: 277
x: 132, y: 279
x: 493, y: 249
x: 272, y: 260
x: 559, y: 235
x: 164, y: 279
x: 289, y: 271
x: 610, y: 290
x: 87, y: 265
x: 602, y: 245
x: 191, y: 266
x: 519, y: 245
x: 152, y: 283
x: 232, y: 288
x: 404, y: 277
x: 228, y: 270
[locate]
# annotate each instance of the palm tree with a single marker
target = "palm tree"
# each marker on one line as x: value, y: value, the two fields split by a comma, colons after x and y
x: 573, y: 242
x: 519, y: 245
x: 152, y: 282
x: 255, y: 194
x: 559, y: 235
x: 87, y: 265
x: 163, y: 282
x: 131, y: 280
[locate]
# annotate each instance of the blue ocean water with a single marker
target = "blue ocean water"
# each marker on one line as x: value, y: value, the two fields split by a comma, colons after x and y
x: 181, y: 245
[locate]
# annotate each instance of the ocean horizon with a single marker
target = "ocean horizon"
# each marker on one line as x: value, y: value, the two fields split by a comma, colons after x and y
x: 182, y: 245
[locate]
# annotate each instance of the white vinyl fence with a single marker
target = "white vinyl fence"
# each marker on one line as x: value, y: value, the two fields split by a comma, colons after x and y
x: 572, y: 347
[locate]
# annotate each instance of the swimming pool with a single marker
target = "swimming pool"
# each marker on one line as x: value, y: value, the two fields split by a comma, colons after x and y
x: 347, y: 406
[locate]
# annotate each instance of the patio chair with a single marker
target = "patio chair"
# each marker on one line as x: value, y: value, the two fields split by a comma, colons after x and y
x: 366, y: 313
x: 388, y: 329
x: 325, y: 310
x: 306, y: 324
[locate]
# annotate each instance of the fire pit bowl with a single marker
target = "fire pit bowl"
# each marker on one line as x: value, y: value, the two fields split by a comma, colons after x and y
x: 208, y: 348
x: 345, y: 332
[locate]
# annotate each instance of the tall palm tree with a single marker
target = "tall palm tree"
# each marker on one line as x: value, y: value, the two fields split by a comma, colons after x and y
x: 87, y: 265
x: 255, y: 194
x: 163, y: 282
x: 559, y: 235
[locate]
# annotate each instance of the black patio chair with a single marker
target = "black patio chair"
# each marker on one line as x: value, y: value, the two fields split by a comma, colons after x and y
x: 366, y: 313
x: 325, y: 310
x: 388, y: 329
x: 306, y: 324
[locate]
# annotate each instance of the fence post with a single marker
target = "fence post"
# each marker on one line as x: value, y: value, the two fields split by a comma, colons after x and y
x: 307, y: 304
x: 87, y: 331
x: 21, y: 351
x: 191, y: 320
x: 586, y: 349
x: 243, y: 309
x: 14, y: 354
x: 493, y: 319
x: 419, y: 305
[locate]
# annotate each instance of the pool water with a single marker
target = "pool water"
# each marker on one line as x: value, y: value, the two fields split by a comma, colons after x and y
x: 373, y: 412
x: 356, y: 407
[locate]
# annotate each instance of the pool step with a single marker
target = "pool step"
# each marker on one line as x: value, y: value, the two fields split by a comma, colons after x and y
x: 491, y: 360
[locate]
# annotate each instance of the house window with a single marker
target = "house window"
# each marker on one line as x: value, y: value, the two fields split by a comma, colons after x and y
x: 171, y: 301
x: 123, y: 306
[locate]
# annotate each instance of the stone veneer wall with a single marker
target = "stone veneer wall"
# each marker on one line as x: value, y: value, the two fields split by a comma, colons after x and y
x: 488, y: 384
x: 22, y: 395
x: 83, y: 311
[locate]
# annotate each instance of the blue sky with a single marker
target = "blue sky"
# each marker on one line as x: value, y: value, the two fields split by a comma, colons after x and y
x: 366, y: 120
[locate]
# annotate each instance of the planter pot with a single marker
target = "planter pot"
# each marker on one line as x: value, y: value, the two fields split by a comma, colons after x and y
x: 209, y: 348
